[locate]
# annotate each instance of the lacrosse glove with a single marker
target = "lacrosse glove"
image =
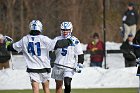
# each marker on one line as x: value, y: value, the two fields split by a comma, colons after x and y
x: 79, y: 68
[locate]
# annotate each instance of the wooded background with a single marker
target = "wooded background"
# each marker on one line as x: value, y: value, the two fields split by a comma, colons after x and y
x: 86, y: 16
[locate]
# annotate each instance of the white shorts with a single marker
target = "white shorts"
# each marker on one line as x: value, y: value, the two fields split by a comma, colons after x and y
x: 40, y: 77
x: 60, y: 73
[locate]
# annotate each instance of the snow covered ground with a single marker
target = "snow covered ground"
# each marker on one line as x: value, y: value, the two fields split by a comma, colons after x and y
x: 117, y: 76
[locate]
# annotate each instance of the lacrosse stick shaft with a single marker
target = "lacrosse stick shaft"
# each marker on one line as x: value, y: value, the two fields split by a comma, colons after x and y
x: 64, y: 66
x: 12, y: 61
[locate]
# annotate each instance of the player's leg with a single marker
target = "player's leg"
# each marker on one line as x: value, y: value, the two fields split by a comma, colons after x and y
x: 35, y: 86
x: 45, y: 77
x: 46, y: 86
x: 68, y: 74
x: 59, y: 84
x: 67, y: 83
x: 35, y: 80
x: 58, y: 75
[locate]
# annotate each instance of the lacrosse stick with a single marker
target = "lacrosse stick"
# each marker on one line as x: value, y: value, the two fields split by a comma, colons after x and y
x: 64, y: 66
x: 12, y: 65
x: 7, y: 38
x: 79, y: 71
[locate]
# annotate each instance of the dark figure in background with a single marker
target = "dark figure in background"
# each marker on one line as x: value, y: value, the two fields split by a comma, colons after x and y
x: 137, y: 53
x: 4, y: 54
x: 130, y: 20
x: 137, y: 42
x: 96, y: 47
x: 128, y: 52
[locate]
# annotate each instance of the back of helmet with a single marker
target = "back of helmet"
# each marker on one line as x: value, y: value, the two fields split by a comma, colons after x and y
x: 35, y: 27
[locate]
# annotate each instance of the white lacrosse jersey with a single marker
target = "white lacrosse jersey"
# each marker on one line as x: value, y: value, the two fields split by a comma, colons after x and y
x: 67, y: 56
x: 35, y: 50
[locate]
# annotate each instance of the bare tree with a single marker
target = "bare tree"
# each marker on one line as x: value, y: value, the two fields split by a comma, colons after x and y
x: 86, y: 16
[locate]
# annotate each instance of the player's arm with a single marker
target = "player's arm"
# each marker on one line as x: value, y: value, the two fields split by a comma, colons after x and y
x: 9, y: 44
x: 10, y: 48
x: 81, y: 58
x: 63, y: 43
x: 15, y: 47
x: 80, y: 63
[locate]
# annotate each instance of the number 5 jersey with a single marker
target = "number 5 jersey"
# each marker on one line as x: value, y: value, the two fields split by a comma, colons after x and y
x: 67, y: 56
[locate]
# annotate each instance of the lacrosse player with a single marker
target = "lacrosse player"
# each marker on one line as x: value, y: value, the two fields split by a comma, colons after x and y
x: 65, y: 59
x: 35, y: 48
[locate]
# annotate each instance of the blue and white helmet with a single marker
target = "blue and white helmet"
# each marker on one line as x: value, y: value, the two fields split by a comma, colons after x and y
x: 35, y: 25
x: 66, y: 29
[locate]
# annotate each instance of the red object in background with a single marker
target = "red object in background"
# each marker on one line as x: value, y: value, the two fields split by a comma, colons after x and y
x: 98, y: 46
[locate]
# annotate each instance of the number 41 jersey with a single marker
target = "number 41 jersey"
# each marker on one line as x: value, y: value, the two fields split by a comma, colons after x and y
x: 67, y: 56
x: 35, y: 50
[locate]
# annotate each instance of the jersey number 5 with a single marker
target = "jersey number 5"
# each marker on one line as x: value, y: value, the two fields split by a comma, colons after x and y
x: 64, y: 51
x: 32, y: 46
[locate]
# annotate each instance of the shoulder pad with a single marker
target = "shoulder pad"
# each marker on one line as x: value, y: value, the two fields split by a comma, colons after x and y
x: 75, y: 40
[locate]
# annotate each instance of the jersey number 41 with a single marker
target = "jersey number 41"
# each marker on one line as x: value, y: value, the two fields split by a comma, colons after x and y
x: 34, y: 46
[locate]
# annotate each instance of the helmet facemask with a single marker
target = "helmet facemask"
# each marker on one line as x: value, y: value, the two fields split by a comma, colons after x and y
x: 66, y: 33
